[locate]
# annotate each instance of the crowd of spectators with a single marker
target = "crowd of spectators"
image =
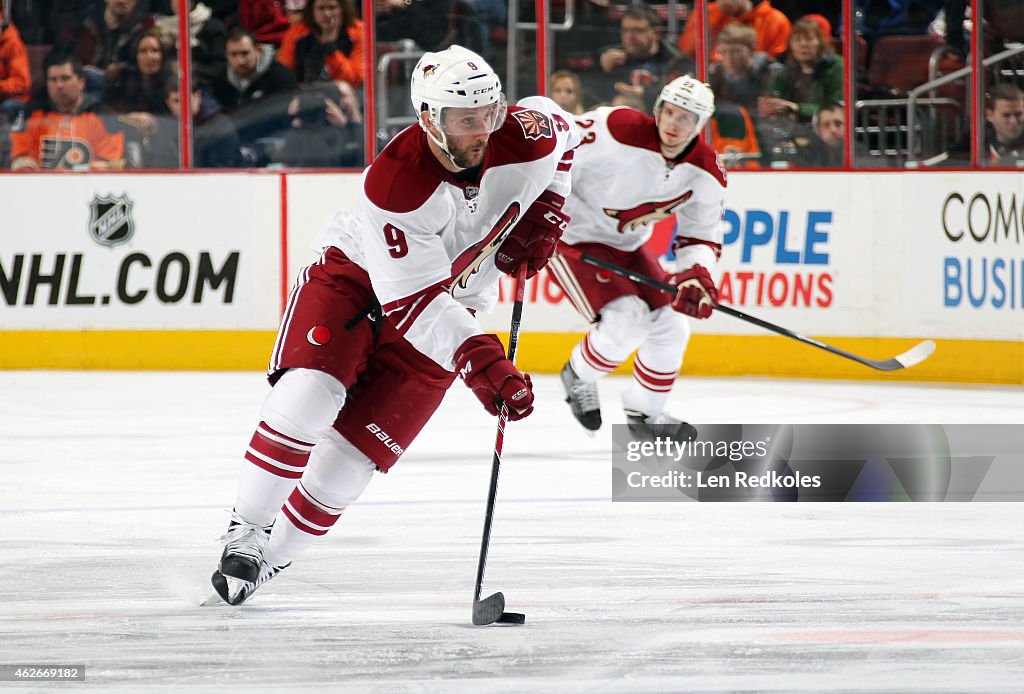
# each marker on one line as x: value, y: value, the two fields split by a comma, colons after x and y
x: 280, y: 82
x: 108, y: 97
x: 778, y: 74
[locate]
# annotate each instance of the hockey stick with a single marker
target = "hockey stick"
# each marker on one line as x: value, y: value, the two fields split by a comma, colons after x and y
x: 915, y: 355
x: 492, y: 608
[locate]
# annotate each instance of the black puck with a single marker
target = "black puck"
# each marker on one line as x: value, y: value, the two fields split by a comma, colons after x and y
x: 511, y: 618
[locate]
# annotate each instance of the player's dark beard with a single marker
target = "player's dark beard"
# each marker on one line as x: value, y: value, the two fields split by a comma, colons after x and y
x: 462, y: 159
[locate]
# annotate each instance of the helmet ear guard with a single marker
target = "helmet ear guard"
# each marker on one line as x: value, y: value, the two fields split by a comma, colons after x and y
x: 690, y: 94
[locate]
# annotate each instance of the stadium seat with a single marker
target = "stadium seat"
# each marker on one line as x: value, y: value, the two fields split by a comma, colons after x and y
x: 900, y: 63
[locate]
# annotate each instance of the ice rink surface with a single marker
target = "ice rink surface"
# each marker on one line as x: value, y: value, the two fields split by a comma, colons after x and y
x: 116, y: 486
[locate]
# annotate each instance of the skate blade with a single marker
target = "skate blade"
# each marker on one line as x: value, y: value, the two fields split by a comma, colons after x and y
x: 229, y: 589
x: 211, y: 599
x: 236, y: 586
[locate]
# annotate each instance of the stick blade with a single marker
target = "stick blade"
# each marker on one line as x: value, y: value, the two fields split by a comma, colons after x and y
x: 489, y: 609
x: 916, y: 354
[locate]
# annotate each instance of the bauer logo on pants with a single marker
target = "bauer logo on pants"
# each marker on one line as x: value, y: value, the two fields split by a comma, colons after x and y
x: 110, y: 220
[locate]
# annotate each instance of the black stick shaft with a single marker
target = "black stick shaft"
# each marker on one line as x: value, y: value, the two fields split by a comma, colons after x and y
x: 499, y: 440
x: 885, y: 365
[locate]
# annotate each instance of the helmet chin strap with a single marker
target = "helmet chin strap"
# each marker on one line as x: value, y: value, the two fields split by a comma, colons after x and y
x: 442, y: 143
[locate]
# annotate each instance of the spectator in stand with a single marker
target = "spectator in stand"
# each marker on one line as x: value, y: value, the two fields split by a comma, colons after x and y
x: 641, y: 65
x: 741, y: 75
x: 214, y: 139
x: 15, y: 83
x: 327, y: 45
x: 136, y: 93
x: 771, y: 25
x: 424, y: 21
x: 1004, y: 131
x: 254, y: 92
x: 15, y: 76
x: 824, y: 148
x: 64, y: 130
x: 325, y: 128
x: 105, y: 37
x: 252, y: 74
x: 268, y: 20
x: 812, y: 75
x: 137, y: 89
x: 206, y: 39
x: 567, y: 91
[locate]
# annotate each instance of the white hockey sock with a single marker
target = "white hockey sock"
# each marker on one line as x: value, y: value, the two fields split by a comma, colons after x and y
x: 657, y: 363
x: 275, y: 463
x: 625, y: 323
x: 302, y: 519
x: 588, y: 363
x: 650, y: 389
x: 337, y: 474
x: 296, y: 413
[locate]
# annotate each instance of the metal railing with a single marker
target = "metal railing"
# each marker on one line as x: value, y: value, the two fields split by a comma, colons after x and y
x: 512, y: 51
x: 887, y: 134
x: 388, y: 124
x: 914, y: 100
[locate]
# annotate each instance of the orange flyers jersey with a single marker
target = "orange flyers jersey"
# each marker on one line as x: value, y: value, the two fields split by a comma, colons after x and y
x: 66, y: 141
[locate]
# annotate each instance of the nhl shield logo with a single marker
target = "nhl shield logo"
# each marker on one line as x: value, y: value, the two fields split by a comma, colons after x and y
x: 110, y: 220
x: 472, y: 195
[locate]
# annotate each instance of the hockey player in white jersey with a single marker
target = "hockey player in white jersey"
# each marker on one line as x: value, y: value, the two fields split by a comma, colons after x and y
x: 632, y: 171
x: 376, y: 330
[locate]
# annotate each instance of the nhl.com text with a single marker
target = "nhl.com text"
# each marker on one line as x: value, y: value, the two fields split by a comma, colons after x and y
x: 664, y: 448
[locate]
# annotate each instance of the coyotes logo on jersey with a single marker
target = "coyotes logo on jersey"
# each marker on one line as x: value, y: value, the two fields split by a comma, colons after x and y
x: 646, y: 212
x: 470, y: 260
x: 535, y: 124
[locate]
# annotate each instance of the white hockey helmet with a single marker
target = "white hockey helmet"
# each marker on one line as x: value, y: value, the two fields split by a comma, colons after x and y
x: 691, y: 94
x: 457, y: 78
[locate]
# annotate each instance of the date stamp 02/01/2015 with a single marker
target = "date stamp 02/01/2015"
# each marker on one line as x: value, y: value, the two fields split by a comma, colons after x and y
x: 35, y: 672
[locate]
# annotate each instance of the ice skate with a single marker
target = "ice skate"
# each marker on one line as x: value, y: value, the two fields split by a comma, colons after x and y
x: 235, y: 592
x: 582, y: 398
x: 240, y: 563
x: 659, y: 426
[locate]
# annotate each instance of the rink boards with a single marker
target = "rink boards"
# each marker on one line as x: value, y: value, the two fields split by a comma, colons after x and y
x: 190, y: 271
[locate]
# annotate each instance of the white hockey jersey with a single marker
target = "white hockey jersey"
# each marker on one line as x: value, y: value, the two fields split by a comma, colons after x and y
x: 427, y: 240
x: 622, y: 186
